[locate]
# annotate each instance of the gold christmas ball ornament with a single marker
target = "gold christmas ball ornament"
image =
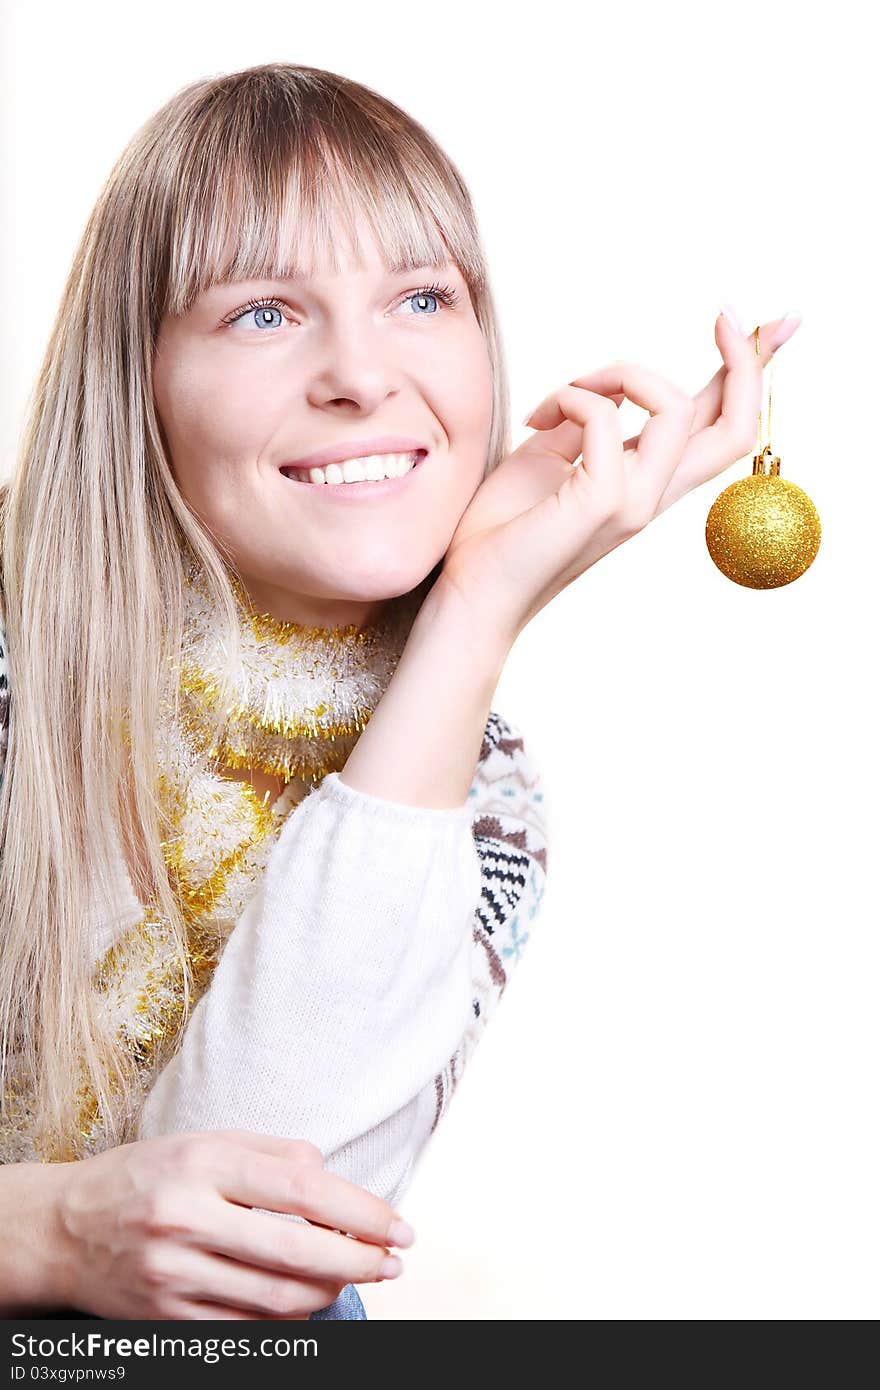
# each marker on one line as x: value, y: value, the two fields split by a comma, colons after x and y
x: 763, y: 531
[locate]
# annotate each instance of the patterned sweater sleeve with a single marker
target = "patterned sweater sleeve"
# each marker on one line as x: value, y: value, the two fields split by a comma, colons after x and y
x: 361, y: 973
x: 510, y: 830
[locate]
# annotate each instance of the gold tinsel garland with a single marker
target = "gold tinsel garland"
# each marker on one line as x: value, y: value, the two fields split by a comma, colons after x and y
x: 302, y: 695
x: 301, y: 698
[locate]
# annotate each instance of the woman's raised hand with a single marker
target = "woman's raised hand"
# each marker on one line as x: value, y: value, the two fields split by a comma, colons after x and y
x: 537, y: 522
x: 163, y: 1229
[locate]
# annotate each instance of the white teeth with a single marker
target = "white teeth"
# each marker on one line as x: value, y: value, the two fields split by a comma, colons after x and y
x: 370, y: 469
x: 354, y: 470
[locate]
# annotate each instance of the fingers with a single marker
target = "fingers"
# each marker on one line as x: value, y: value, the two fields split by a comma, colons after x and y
x: 194, y: 1310
x: 685, y: 440
x: 728, y: 408
x: 598, y: 437
x: 270, y: 1243
x: 731, y: 430
x: 287, y: 1176
x: 210, y: 1312
x: 667, y: 404
x: 772, y: 335
x: 781, y: 330
x: 203, y: 1276
x: 636, y: 383
x: 664, y: 436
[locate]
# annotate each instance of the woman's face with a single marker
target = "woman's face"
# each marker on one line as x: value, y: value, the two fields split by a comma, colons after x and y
x: 333, y: 360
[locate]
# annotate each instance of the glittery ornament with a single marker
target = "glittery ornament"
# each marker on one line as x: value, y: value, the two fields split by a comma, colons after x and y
x: 763, y: 531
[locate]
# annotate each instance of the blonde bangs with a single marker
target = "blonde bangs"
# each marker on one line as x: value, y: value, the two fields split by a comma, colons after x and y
x: 263, y: 199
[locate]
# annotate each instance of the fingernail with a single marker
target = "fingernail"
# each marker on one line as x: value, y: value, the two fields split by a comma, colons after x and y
x: 730, y: 313
x: 390, y: 1267
x: 787, y: 326
x: 401, y: 1234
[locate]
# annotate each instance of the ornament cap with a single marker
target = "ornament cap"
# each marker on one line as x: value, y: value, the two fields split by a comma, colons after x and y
x: 774, y: 463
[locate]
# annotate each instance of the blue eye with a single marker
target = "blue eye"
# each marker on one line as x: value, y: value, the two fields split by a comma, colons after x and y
x: 444, y: 293
x: 265, y: 308
x: 422, y: 299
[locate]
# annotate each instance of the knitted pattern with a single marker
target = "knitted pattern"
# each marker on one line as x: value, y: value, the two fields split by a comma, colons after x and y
x: 510, y: 833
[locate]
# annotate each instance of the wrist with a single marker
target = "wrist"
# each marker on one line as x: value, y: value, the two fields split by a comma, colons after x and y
x: 487, y: 641
x: 423, y: 740
x: 34, y: 1272
x: 60, y: 1273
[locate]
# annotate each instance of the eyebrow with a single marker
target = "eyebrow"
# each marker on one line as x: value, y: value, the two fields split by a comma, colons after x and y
x: 292, y: 273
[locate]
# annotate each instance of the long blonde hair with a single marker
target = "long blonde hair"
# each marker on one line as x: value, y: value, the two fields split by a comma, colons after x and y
x: 236, y: 176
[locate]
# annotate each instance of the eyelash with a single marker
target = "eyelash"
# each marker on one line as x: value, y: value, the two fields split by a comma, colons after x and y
x: 445, y: 293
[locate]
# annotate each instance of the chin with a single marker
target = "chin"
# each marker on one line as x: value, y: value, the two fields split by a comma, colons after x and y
x: 377, y: 585
x: 375, y: 591
x: 384, y: 580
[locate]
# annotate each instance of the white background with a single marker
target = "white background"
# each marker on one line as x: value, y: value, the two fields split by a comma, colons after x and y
x: 673, y: 1114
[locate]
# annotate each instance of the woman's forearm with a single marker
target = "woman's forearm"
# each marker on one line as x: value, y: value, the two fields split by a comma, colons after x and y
x: 31, y: 1278
x: 423, y: 740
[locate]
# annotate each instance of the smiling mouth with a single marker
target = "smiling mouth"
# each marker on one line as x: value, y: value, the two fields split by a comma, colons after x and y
x: 374, y: 468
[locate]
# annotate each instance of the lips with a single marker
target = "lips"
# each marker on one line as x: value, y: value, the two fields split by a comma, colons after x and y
x: 357, y: 448
x: 296, y: 477
x: 364, y: 493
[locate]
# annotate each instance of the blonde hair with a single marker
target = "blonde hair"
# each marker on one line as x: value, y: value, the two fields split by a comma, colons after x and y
x: 235, y: 177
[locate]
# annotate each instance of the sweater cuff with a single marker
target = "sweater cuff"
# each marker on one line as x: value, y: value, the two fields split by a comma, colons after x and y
x: 396, y: 811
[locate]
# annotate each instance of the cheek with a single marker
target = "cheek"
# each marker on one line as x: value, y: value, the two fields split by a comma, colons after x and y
x: 467, y: 394
x: 477, y: 409
x: 468, y: 422
x: 203, y: 418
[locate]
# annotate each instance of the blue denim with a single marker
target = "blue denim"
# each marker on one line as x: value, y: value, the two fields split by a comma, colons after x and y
x: 347, y: 1305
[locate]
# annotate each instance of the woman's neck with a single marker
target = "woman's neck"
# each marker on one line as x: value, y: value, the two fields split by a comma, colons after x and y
x: 311, y: 612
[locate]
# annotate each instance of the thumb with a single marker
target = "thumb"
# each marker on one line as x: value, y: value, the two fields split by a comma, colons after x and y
x: 732, y: 339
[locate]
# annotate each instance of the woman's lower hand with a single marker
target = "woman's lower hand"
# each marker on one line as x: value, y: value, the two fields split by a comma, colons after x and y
x: 536, y: 523
x: 163, y: 1229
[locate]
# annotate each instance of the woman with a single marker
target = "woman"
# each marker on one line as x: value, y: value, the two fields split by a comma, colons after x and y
x: 263, y: 685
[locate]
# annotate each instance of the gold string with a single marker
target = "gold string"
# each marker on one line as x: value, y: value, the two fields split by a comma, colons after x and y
x: 764, y: 443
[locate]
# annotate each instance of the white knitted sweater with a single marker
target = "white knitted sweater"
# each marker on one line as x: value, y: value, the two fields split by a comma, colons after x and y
x: 362, y: 971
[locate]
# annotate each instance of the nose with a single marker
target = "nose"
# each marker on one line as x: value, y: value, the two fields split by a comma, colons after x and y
x: 355, y: 372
